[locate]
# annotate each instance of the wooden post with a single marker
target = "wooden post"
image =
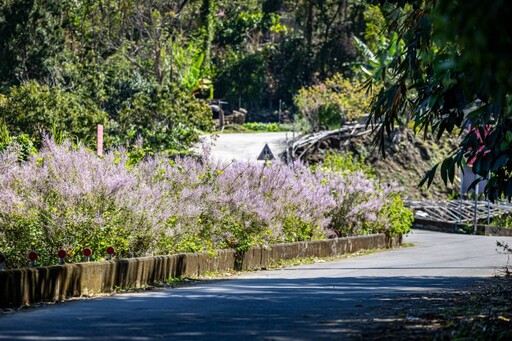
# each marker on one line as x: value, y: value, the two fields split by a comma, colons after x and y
x: 221, y: 116
x: 279, y: 119
x: 100, y: 140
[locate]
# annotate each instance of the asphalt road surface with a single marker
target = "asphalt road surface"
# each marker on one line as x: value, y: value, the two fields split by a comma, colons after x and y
x: 247, y: 147
x: 322, y: 301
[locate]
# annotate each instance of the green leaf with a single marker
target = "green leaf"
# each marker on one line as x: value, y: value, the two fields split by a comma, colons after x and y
x: 451, y: 173
x: 508, y: 136
x: 474, y: 183
x: 444, y: 171
x: 429, y: 176
x: 365, y: 50
x: 500, y: 162
x: 447, y: 169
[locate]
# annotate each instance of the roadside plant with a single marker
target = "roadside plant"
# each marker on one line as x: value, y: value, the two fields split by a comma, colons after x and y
x: 68, y: 197
x: 327, y: 104
x: 36, y: 109
x: 391, y: 211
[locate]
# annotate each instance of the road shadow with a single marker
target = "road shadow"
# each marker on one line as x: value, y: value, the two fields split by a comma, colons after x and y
x: 347, y: 308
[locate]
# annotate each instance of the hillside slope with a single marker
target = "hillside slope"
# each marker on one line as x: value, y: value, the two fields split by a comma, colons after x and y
x: 407, y: 157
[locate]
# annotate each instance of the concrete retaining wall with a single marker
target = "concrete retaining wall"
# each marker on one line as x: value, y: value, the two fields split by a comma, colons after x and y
x: 55, y: 283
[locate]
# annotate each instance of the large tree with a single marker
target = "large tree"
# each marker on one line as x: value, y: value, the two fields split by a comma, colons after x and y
x: 454, y: 75
x: 32, y: 37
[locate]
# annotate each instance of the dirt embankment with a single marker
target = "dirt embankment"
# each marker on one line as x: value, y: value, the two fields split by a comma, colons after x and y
x: 408, y: 157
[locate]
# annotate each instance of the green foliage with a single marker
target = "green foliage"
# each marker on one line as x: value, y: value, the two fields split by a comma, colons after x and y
x: 301, y: 43
x: 137, y: 153
x: 297, y: 230
x: 375, y: 65
x: 84, y: 63
x: 242, y: 78
x: 105, y: 53
x: 268, y: 127
x: 36, y: 109
x: 163, y: 118
x: 503, y: 220
x: 239, y: 29
x: 32, y: 37
x: 190, y: 243
x: 345, y: 164
x: 454, y: 73
x: 113, y: 230
x: 21, y: 143
x: 207, y: 28
x: 400, y: 217
x: 374, y: 33
x: 188, y: 71
x: 325, y: 105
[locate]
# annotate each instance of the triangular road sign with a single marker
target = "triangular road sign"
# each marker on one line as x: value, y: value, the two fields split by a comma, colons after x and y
x: 266, y: 154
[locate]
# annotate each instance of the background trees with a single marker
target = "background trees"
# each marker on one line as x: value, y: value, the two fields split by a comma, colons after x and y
x: 68, y: 66
x: 145, y: 67
x: 454, y: 75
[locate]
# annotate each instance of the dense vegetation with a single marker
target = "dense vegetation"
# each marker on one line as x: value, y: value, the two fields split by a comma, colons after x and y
x: 146, y: 71
x: 146, y: 68
x: 454, y: 75
x: 68, y: 197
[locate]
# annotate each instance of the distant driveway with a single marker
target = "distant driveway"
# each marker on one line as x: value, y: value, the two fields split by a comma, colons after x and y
x: 337, y: 300
x: 247, y: 147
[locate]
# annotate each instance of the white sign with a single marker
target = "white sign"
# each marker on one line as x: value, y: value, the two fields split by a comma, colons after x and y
x: 266, y: 154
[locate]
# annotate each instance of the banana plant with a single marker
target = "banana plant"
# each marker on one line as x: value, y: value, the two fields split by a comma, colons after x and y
x: 190, y: 70
x: 376, y: 65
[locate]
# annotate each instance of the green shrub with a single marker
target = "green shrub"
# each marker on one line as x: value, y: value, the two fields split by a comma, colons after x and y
x: 347, y: 164
x: 324, y: 105
x: 267, y: 127
x: 163, y: 118
x: 400, y: 217
x: 22, y: 143
x: 503, y: 220
x: 296, y: 229
x: 36, y: 109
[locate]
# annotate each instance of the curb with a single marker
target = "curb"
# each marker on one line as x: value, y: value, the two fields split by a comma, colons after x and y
x: 28, y: 286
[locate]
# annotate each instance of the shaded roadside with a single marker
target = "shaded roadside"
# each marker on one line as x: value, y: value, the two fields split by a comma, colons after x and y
x: 481, y: 311
x: 283, y: 308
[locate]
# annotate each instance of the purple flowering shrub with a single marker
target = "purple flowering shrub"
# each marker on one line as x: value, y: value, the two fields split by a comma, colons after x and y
x: 67, y: 197
x: 371, y: 204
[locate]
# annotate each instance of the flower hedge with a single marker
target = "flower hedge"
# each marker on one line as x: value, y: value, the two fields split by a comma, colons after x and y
x: 67, y: 197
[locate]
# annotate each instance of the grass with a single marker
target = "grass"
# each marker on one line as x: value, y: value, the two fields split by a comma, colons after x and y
x: 256, y: 127
x: 311, y: 260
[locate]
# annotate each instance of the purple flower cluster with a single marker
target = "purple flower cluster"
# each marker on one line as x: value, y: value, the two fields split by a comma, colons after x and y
x: 68, y: 197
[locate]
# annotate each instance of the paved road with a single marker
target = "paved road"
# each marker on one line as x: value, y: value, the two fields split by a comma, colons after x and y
x: 322, y: 301
x: 228, y: 147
